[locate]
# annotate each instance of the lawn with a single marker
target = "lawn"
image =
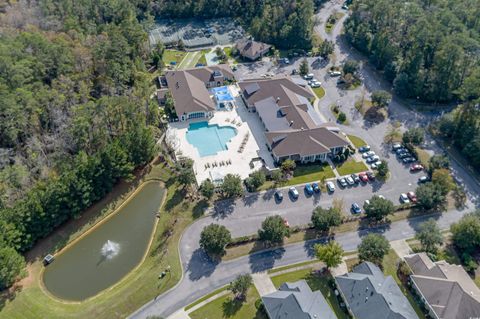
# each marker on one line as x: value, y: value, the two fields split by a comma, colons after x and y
x: 351, y: 167
x: 196, y: 302
x: 423, y: 156
x: 310, y: 173
x: 227, y: 307
x: 173, y: 55
x: 356, y: 141
x: 316, y: 282
x: 137, y: 288
x: 390, y: 268
x: 319, y: 92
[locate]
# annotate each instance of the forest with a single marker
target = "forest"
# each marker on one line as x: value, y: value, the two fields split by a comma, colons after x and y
x: 428, y: 49
x: 75, y: 115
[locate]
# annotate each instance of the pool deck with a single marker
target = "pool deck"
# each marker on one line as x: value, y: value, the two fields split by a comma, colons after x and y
x: 255, y: 146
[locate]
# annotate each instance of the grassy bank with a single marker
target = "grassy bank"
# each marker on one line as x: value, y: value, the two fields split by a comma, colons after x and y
x: 137, y: 288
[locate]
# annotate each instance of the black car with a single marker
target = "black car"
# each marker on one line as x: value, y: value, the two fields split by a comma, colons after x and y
x: 371, y: 176
x: 404, y: 155
x: 408, y: 160
x: 294, y: 71
x: 279, y: 195
x: 356, y: 179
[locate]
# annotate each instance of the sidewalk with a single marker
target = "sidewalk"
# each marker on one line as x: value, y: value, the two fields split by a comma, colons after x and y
x: 401, y: 247
x: 263, y: 283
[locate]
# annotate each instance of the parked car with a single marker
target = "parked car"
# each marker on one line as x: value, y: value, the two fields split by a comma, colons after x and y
x: 356, y: 208
x: 423, y: 179
x: 308, y: 189
x: 364, y: 148
x: 294, y: 71
x: 350, y: 180
x: 315, y: 187
x: 308, y: 76
x: 335, y: 73
x: 279, y: 196
x: 330, y: 187
x: 401, y: 150
x: 293, y: 191
x: 363, y: 177
x: 416, y: 167
x: 404, y: 198
x: 373, y: 159
x: 345, y: 7
x: 412, y: 197
x: 396, y: 146
x: 376, y: 164
x: 404, y: 155
x: 315, y: 84
x: 371, y: 176
x: 368, y: 154
x: 355, y: 177
x: 407, y: 160
x: 342, y: 182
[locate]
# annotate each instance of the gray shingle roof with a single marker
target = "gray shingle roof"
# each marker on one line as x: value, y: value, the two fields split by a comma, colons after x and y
x: 297, y: 301
x: 447, y: 288
x: 371, y: 295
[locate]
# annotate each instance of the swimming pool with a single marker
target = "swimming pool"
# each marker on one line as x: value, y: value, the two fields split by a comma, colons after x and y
x: 209, y: 139
x: 222, y: 94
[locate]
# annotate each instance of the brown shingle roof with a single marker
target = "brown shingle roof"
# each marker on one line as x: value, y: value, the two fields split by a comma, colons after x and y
x: 252, y: 49
x: 188, y: 87
x: 447, y: 288
x: 304, y: 142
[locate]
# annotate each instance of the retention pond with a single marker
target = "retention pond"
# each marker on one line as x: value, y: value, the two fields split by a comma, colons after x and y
x: 109, y: 251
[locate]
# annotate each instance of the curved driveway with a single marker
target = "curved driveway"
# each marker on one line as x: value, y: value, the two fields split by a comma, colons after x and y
x: 244, y: 216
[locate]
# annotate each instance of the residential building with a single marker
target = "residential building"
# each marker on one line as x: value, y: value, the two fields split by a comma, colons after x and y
x: 297, y: 301
x: 189, y: 89
x: 447, y: 290
x: 368, y: 294
x: 252, y: 50
x: 293, y: 129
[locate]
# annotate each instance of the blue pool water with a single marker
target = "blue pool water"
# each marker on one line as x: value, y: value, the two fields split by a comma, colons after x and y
x: 209, y: 139
x: 222, y: 94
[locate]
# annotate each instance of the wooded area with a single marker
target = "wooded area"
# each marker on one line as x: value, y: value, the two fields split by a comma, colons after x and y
x: 428, y: 49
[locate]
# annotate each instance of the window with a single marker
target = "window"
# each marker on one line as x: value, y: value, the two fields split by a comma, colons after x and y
x: 196, y: 115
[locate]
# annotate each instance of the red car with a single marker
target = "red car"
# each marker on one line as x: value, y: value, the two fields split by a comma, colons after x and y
x: 416, y: 168
x: 412, y: 197
x: 363, y: 177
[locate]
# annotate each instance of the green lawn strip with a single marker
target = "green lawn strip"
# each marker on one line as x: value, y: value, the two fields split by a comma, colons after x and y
x: 196, y: 302
x: 356, y: 141
x: 316, y: 281
x: 319, y: 92
x: 227, y: 307
x: 390, y: 262
x: 275, y: 270
x: 310, y: 173
x: 351, y: 167
x: 173, y: 56
x: 137, y: 288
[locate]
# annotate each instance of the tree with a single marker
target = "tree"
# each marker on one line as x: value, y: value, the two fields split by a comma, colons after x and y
x: 379, y: 208
x: 288, y: 166
x: 331, y: 253
x: 443, y: 180
x: 373, y: 248
x: 170, y: 105
x: 383, y: 169
x: 326, y: 48
x: 381, y: 98
x: 430, y: 196
x: 12, y: 266
x: 342, y: 117
x: 466, y: 233
x: 438, y: 161
x: 351, y: 67
x: 277, y: 176
x: 185, y: 172
x: 255, y: 180
x: 207, y: 188
x: 240, y: 286
x: 274, y: 230
x: 232, y: 186
x: 214, y: 238
x: 323, y: 219
x: 429, y: 236
x: 304, y: 69
x: 414, y: 136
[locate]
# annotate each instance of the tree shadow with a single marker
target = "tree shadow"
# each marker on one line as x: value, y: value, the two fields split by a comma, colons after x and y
x: 175, y: 200
x: 309, y: 244
x: 376, y: 228
x: 264, y: 259
x: 249, y: 200
x: 417, y: 216
x: 201, y: 265
x: 268, y: 195
x: 8, y: 295
x: 221, y: 209
x: 231, y: 306
x: 199, y: 208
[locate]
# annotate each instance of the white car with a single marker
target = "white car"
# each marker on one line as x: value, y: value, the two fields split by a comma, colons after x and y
x: 309, y: 76
x: 335, y: 73
x: 330, y: 187
x: 315, y: 84
x: 404, y: 198
x: 368, y: 154
x: 375, y: 165
x: 293, y: 191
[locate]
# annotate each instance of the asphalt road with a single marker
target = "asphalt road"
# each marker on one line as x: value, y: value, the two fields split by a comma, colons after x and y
x: 245, y: 215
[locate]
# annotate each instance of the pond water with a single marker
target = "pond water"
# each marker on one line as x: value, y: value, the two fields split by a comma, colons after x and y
x: 109, y: 252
